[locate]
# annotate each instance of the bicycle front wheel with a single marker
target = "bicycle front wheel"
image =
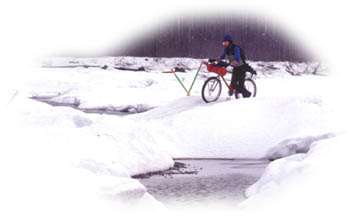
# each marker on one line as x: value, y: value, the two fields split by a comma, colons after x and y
x: 211, y: 89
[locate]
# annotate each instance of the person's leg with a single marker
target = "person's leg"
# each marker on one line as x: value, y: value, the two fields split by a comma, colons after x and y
x: 240, y: 83
x: 240, y: 76
x: 233, y: 83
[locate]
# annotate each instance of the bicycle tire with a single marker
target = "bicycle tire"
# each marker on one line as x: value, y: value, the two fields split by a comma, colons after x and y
x: 219, y: 90
x: 253, y: 93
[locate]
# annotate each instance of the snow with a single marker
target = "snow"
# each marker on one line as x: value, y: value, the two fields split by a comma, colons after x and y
x: 290, y: 115
x: 317, y: 182
x: 164, y: 64
x: 61, y: 151
x: 235, y: 129
x: 293, y: 146
x: 95, y: 88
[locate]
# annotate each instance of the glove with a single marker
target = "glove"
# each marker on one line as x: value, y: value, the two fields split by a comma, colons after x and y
x: 223, y: 64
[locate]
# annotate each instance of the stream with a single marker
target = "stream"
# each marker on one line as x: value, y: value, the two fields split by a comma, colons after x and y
x: 201, y: 182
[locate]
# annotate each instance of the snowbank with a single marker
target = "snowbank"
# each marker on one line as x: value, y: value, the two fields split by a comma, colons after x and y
x: 54, y: 155
x: 318, y: 182
x: 246, y: 128
x: 293, y: 146
x: 313, y: 183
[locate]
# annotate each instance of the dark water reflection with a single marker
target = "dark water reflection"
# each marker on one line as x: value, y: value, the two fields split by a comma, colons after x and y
x: 221, y: 182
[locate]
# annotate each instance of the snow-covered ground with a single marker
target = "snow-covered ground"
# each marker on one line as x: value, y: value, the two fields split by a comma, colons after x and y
x: 138, y: 91
x: 66, y: 152
x: 164, y: 64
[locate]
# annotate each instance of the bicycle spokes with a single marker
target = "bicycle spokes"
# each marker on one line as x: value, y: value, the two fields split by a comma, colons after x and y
x: 211, y: 90
x: 212, y: 87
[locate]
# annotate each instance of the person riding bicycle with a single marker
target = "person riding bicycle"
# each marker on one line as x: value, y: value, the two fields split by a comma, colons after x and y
x: 232, y: 53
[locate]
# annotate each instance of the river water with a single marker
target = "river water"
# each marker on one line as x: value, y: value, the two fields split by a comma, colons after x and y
x: 205, y: 182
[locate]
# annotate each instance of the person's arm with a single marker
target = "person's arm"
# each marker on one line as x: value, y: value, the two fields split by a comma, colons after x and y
x: 223, y: 56
x: 236, y: 56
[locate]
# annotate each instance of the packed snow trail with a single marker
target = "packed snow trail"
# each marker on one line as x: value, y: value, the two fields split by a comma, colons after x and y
x: 244, y: 128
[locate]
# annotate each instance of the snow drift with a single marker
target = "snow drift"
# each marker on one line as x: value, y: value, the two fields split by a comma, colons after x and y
x: 317, y: 182
x: 246, y: 128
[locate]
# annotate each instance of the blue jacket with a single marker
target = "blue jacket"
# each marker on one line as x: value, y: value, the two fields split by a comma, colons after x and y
x: 236, y: 55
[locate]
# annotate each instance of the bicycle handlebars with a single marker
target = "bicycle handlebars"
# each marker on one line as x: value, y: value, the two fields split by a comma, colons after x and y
x: 225, y: 64
x: 219, y: 64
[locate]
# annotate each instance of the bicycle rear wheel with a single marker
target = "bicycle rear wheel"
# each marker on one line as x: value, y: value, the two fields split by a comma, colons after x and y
x: 211, y: 89
x: 250, y: 85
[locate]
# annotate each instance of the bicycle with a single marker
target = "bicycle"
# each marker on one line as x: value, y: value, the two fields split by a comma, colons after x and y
x: 212, y: 88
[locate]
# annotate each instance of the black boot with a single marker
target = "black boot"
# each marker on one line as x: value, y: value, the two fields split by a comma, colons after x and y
x: 246, y: 93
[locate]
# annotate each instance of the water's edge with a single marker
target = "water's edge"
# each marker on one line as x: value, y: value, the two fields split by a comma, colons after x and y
x: 199, y: 181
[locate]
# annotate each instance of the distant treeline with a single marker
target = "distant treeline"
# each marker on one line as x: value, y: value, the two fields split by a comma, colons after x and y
x: 201, y: 37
